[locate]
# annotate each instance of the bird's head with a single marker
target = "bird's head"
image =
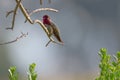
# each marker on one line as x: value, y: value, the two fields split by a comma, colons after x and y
x: 46, y: 19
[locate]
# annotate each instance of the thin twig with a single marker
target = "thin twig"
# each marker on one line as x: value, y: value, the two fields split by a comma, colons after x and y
x: 41, y: 1
x: 42, y: 9
x: 8, y: 13
x: 15, y: 40
x: 48, y: 43
x: 53, y: 42
x: 14, y: 15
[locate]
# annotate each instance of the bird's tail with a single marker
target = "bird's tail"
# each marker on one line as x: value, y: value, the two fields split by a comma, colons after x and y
x: 58, y: 38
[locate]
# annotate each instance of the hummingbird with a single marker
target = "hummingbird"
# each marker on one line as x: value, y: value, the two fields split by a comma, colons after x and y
x: 52, y: 28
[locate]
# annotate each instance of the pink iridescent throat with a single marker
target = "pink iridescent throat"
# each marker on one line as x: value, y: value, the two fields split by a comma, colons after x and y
x: 46, y: 21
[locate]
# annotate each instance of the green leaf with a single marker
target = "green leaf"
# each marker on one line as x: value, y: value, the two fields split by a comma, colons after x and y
x: 109, y: 69
x: 13, y: 75
x: 32, y: 75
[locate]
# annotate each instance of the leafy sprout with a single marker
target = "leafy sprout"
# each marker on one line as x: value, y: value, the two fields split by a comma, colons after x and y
x: 109, y: 68
x: 32, y: 75
x: 13, y: 75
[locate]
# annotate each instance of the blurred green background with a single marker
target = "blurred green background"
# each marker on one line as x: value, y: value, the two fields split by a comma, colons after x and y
x: 85, y: 26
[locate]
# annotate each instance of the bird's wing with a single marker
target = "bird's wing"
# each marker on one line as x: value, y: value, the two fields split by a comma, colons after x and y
x: 56, y: 32
x: 55, y: 28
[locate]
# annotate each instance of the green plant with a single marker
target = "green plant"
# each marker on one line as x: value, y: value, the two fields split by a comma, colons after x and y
x: 13, y: 75
x: 109, y: 68
x: 32, y: 75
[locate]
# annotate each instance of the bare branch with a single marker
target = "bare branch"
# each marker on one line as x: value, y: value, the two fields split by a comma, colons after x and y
x: 41, y: 1
x: 15, y: 40
x: 46, y: 31
x: 42, y: 9
x: 27, y: 16
x: 24, y: 12
x: 53, y: 42
x: 43, y: 27
x: 15, y: 10
x: 37, y: 21
x: 8, y: 13
x: 48, y: 43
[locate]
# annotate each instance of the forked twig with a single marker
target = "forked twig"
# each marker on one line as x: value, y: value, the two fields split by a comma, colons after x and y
x: 13, y: 11
x: 53, y: 42
x: 27, y: 16
x: 35, y: 21
x: 8, y: 13
x: 15, y: 40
